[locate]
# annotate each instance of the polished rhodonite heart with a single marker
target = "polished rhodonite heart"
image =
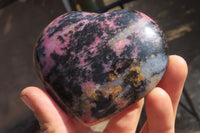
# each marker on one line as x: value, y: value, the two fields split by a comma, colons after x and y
x: 95, y: 65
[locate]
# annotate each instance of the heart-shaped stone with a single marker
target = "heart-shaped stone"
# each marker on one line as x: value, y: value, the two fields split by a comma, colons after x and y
x: 96, y: 65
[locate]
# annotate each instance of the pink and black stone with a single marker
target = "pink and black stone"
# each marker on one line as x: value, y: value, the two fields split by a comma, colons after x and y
x: 96, y: 65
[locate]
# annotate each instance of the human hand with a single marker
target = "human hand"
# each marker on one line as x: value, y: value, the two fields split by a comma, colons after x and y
x: 161, y: 107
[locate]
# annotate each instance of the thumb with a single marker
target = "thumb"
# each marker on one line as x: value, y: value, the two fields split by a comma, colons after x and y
x: 51, y: 118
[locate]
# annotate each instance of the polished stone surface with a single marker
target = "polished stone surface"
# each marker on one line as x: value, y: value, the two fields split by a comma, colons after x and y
x: 96, y: 65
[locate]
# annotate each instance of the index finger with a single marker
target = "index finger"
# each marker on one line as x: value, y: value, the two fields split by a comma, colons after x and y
x: 174, y: 79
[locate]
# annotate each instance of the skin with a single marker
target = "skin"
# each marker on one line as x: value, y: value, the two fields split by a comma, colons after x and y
x: 161, y: 107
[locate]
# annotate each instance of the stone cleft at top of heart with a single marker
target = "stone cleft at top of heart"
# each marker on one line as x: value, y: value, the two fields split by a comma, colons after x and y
x: 97, y: 65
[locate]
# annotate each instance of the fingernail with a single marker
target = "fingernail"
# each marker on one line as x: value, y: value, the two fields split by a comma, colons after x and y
x: 26, y: 100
